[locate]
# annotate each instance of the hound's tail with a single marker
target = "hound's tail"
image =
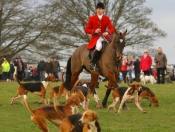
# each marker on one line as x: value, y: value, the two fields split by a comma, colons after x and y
x: 27, y: 104
x: 15, y: 75
x: 127, y: 81
x: 74, y: 87
x: 57, y: 109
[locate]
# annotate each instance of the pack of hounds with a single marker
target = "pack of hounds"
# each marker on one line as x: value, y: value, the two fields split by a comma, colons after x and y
x: 67, y: 117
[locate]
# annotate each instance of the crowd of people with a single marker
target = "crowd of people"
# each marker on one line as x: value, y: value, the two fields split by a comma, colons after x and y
x: 25, y: 72
x: 52, y: 67
x: 144, y: 65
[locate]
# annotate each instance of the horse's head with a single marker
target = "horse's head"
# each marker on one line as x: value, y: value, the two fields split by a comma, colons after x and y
x: 118, y: 44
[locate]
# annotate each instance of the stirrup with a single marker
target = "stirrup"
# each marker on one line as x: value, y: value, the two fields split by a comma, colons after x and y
x: 94, y: 67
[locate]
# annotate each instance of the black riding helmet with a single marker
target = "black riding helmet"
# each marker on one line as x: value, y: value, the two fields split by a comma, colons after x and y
x: 100, y: 5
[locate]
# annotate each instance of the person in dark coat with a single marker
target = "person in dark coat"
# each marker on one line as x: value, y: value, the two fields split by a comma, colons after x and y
x: 41, y: 69
x: 12, y: 69
x: 161, y: 62
x: 20, y: 69
x: 56, y: 67
x: 49, y: 67
x: 137, y: 69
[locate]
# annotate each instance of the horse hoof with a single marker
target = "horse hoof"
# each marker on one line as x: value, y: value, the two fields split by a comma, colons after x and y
x: 104, y: 106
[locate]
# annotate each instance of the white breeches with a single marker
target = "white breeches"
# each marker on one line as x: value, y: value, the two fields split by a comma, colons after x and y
x: 99, y: 43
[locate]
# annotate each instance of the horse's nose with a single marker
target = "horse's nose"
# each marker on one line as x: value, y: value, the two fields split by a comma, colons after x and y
x: 119, y: 55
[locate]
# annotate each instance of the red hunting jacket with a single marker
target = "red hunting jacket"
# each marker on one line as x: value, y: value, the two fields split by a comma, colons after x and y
x: 93, y: 23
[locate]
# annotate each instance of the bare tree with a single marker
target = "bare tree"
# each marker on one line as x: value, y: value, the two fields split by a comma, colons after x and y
x: 20, y: 27
x: 132, y: 15
x: 56, y: 28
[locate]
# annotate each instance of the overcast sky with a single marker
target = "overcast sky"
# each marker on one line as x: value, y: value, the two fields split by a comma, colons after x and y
x: 164, y: 16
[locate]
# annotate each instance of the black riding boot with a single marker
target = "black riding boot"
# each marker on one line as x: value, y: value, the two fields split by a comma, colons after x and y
x: 94, y: 59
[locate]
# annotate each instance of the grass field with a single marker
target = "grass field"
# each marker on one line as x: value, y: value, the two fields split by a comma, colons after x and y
x: 16, y: 118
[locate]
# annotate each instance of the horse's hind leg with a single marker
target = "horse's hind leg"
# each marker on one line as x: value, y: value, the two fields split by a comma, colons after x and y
x: 74, y: 77
x: 94, y: 80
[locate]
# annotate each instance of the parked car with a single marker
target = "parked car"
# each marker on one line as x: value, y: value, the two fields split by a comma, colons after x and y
x: 86, y: 76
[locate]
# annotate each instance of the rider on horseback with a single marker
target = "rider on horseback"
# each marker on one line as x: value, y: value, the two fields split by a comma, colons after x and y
x: 96, y: 26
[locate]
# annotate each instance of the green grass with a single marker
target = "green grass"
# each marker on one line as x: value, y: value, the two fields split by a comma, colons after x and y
x: 16, y: 118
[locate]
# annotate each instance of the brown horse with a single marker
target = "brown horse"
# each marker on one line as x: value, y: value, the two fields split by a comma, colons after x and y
x: 109, y: 63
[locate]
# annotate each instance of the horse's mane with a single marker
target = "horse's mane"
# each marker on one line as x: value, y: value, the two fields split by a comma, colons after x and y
x: 113, y: 39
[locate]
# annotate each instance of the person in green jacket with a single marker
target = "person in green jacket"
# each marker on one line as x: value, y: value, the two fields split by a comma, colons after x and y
x: 5, y: 69
x: 161, y: 61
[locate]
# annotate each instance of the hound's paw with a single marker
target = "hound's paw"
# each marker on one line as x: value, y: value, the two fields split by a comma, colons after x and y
x: 144, y: 112
x: 108, y: 109
x: 118, y: 111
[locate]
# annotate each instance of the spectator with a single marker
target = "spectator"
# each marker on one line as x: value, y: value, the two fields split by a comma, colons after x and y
x: 25, y: 71
x: 0, y: 71
x: 5, y: 69
x: 49, y: 67
x: 56, y: 67
x: 29, y: 73
x: 145, y: 63
x: 124, y: 68
x: 161, y: 62
x: 41, y: 69
x: 11, y: 71
x: 34, y: 73
x: 137, y: 69
x: 20, y: 69
x: 129, y: 64
x: 15, y: 62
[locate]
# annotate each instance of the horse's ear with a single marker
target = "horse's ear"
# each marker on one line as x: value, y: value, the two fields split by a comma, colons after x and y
x: 124, y: 33
x: 116, y: 32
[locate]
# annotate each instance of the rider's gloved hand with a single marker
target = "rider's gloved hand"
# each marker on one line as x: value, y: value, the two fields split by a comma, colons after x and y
x: 105, y: 34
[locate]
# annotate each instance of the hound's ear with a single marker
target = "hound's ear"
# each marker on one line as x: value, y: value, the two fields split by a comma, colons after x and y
x: 127, y: 81
x: 46, y: 79
x: 95, y: 116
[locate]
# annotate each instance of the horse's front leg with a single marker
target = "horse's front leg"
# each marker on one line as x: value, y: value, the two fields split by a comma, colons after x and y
x: 94, y: 80
x: 112, y: 83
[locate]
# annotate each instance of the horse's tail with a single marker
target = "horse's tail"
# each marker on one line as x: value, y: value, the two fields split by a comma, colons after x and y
x: 67, y: 82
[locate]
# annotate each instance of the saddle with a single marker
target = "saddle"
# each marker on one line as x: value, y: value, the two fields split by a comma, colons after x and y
x: 104, y: 44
